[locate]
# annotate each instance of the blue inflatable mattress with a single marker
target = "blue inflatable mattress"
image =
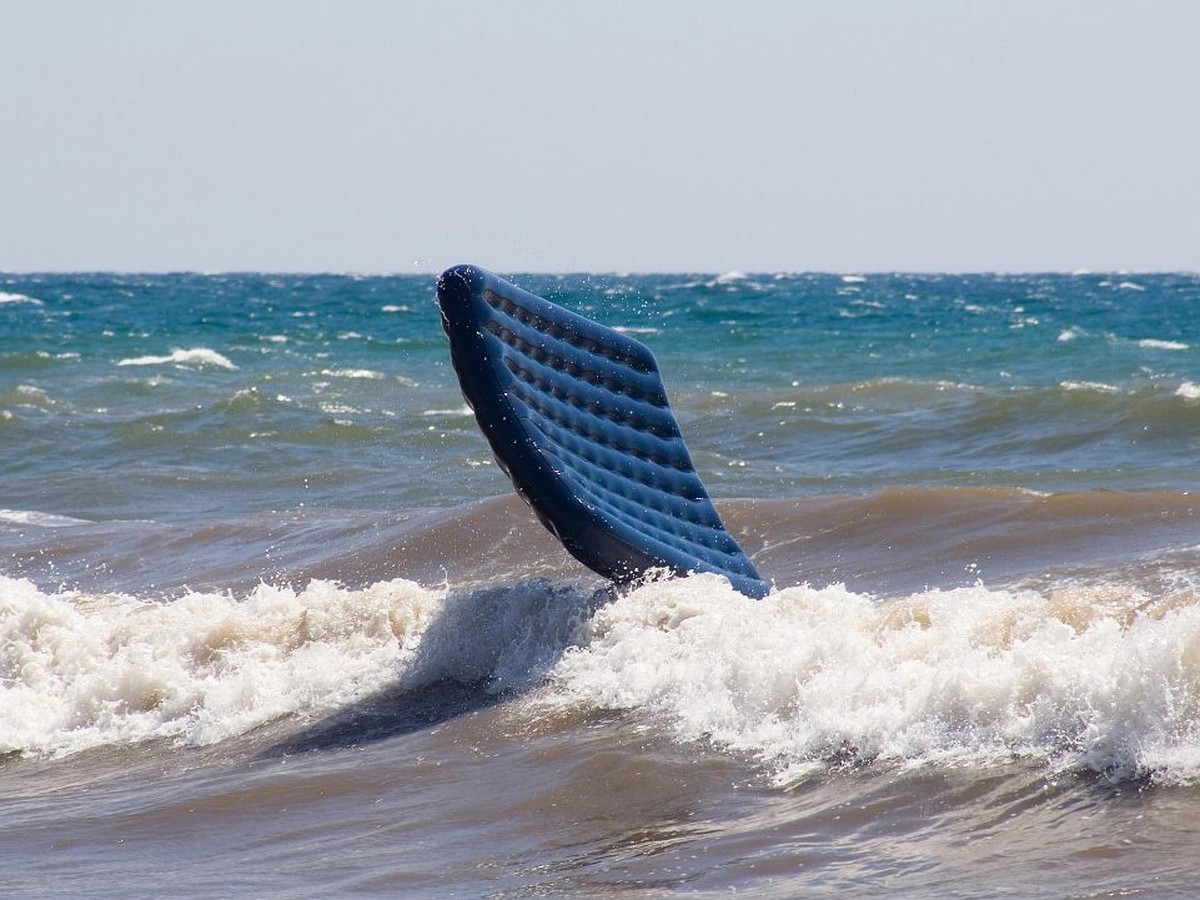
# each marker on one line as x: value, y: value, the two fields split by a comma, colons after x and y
x: 577, y: 415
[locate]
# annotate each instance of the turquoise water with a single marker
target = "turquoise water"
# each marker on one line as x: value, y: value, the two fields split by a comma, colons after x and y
x: 186, y: 396
x: 272, y: 622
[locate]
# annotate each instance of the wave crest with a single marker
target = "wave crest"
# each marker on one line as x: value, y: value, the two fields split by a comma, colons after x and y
x: 1101, y: 679
x: 197, y: 356
x: 80, y: 670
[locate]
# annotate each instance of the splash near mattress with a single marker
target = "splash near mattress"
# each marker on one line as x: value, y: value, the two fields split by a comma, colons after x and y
x: 577, y: 415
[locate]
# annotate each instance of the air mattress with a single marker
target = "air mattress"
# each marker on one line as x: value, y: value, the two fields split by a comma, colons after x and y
x: 577, y: 415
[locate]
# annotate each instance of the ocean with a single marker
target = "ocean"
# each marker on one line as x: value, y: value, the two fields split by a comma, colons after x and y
x: 273, y: 623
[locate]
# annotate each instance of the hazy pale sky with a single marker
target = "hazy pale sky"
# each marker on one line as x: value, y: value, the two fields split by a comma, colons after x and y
x: 660, y: 135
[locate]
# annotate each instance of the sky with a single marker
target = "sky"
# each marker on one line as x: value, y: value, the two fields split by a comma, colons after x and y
x: 651, y: 136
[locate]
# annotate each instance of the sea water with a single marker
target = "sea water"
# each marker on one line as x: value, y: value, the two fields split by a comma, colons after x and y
x: 272, y: 622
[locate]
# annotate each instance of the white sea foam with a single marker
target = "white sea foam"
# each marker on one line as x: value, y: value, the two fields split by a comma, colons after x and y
x: 195, y: 357
x: 731, y: 277
x: 30, y: 395
x: 359, y: 375
x: 1155, y: 344
x: 340, y: 409
x: 367, y: 374
x: 1099, y: 678
x: 1077, y: 678
x: 455, y: 411
x: 86, y: 670
x: 6, y: 297
x: 37, y: 519
x: 1188, y: 390
x: 1098, y: 387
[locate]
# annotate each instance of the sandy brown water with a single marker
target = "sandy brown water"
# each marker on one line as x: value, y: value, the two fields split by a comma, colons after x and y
x: 543, y: 738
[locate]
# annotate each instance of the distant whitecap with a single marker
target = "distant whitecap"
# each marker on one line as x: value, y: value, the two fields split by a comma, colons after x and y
x: 6, y: 297
x: 352, y: 373
x: 197, y: 356
x: 463, y: 410
x: 1095, y: 386
x: 1155, y: 344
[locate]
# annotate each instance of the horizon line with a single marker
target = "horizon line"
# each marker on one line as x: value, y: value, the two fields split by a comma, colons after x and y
x: 731, y: 274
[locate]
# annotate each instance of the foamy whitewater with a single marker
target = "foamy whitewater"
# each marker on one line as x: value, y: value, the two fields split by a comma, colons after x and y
x: 273, y: 623
x: 1083, y: 678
